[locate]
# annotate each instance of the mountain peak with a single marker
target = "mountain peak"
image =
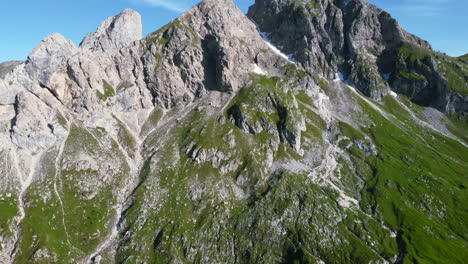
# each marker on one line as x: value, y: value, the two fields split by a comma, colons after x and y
x: 53, y: 45
x: 48, y: 55
x: 353, y: 37
x: 217, y: 15
x: 115, y: 32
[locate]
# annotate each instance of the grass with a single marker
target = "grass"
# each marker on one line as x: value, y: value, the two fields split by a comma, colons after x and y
x: 454, y: 70
x: 152, y: 121
x: 322, y: 83
x: 412, y: 193
x: 108, y: 91
x: 412, y: 76
x: 174, y: 23
x: 8, y: 210
x: 62, y: 120
x: 463, y: 59
x: 291, y: 71
x: 163, y: 41
x: 162, y: 38
x: 42, y: 227
x: 73, y: 231
x: 413, y: 52
x: 456, y: 75
x: 457, y: 124
x: 126, y: 138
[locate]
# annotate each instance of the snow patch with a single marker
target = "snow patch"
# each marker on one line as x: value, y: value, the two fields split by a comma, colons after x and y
x: 275, y: 49
x: 392, y: 93
x: 258, y: 70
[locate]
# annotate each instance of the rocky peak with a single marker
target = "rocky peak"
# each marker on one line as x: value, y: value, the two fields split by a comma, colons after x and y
x: 54, y: 45
x: 48, y: 56
x: 365, y: 44
x: 116, y: 32
x: 219, y: 17
x: 325, y: 35
x: 212, y: 47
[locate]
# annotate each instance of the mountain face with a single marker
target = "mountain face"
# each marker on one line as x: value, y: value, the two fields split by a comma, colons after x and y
x: 365, y: 43
x: 303, y: 132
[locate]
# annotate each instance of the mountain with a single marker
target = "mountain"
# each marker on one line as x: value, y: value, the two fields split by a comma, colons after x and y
x: 302, y: 132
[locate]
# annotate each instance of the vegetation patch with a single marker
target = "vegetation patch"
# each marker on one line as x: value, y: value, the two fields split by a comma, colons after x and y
x: 108, y: 91
x: 454, y: 70
x: 152, y: 121
x: 8, y: 211
x: 416, y: 197
x: 412, y: 76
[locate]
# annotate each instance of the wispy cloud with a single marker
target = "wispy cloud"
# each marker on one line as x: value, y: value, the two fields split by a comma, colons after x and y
x: 426, y: 8
x: 176, y: 6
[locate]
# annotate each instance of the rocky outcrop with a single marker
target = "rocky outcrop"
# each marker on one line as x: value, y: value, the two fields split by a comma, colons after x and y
x: 116, y: 32
x: 352, y: 37
x: 7, y: 67
x: 431, y: 79
x: 365, y: 44
x: 212, y: 47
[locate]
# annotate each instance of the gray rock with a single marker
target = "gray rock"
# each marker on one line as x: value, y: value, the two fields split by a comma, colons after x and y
x: 352, y: 37
x: 49, y: 55
x: 7, y: 67
x: 116, y: 32
x: 31, y: 127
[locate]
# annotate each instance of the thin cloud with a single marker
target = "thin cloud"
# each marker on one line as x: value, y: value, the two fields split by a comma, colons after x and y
x: 179, y: 6
x: 424, y: 8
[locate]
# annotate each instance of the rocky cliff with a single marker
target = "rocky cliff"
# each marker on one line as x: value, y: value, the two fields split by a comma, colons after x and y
x: 368, y: 46
x: 303, y: 132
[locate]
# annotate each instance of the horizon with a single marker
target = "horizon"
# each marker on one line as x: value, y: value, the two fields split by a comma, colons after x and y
x: 421, y: 18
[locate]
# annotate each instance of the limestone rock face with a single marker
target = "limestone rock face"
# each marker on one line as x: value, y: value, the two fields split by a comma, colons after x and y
x: 303, y: 132
x: 32, y: 127
x: 116, y: 32
x: 7, y: 67
x: 360, y: 40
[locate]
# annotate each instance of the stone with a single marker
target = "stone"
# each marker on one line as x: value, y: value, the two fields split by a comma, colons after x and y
x: 116, y: 32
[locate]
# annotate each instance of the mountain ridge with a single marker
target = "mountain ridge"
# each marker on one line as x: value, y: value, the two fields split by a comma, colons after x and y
x: 204, y: 142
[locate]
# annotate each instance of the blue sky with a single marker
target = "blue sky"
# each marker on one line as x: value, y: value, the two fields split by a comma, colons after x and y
x: 24, y: 23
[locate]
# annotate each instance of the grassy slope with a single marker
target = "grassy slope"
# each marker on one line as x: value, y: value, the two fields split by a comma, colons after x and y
x: 73, y: 231
x: 289, y: 218
x: 417, y: 186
